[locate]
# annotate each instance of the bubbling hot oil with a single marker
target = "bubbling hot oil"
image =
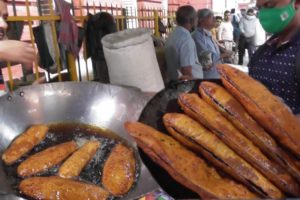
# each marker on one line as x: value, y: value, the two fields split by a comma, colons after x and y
x: 81, y: 133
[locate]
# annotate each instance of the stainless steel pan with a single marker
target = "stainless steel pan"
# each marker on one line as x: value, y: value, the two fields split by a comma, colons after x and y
x: 91, y: 103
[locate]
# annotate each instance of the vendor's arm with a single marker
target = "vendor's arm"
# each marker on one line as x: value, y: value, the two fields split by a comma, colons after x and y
x: 16, y: 51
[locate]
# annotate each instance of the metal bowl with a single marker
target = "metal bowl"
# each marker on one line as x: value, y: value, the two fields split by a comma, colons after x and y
x: 92, y: 103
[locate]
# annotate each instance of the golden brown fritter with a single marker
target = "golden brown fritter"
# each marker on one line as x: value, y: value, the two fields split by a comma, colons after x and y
x: 263, y: 106
x: 226, y: 104
x: 44, y: 160
x: 119, y: 170
x: 24, y: 143
x: 218, y: 153
x: 209, y: 117
x: 59, y: 188
x: 184, y: 166
x: 78, y: 160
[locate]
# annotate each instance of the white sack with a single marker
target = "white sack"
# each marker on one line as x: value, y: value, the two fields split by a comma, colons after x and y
x: 131, y: 60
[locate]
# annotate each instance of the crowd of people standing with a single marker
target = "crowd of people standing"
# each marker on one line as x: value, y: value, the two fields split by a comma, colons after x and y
x: 201, y: 41
x: 239, y: 32
x: 207, y: 40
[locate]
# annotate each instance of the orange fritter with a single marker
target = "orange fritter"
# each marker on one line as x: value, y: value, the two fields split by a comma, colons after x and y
x: 184, y: 166
x: 24, y: 143
x: 60, y: 188
x: 119, y: 170
x: 78, y: 160
x: 46, y: 159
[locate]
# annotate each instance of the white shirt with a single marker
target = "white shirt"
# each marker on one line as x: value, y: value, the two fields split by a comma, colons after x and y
x: 260, y: 35
x: 225, y: 31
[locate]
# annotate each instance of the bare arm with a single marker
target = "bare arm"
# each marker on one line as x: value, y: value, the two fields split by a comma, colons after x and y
x: 16, y: 51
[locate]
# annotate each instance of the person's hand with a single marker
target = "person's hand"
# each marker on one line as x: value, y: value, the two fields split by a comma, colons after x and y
x: 227, y: 54
x: 206, y: 67
x: 40, y: 81
x: 185, y: 78
x: 16, y: 51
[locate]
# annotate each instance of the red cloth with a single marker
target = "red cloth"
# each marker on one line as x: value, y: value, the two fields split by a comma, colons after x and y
x: 68, y: 33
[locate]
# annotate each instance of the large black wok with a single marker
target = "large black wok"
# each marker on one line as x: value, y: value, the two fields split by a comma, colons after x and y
x: 164, y: 102
x: 91, y: 103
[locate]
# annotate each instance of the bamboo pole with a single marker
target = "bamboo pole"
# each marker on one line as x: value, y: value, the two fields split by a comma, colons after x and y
x: 84, y: 44
x: 55, y: 42
x: 10, y: 77
x: 72, y: 66
x: 32, y: 39
x: 156, y: 26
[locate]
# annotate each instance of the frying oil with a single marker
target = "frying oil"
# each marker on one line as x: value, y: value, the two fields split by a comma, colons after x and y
x: 80, y: 133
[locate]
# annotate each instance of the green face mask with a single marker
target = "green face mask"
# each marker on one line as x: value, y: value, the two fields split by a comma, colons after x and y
x: 275, y: 20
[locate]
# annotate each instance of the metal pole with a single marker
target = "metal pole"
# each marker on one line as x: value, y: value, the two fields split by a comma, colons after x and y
x: 87, y: 7
x: 94, y: 7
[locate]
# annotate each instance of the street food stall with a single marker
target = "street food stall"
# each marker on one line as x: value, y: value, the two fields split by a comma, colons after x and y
x: 228, y: 143
x: 137, y: 138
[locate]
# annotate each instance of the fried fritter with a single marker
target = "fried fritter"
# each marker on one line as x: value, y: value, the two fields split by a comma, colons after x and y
x: 119, y: 170
x: 78, y: 160
x: 59, y: 188
x: 218, y: 153
x: 24, y: 143
x: 44, y: 160
x: 184, y: 166
x: 271, y: 113
x: 226, y: 104
x: 209, y: 117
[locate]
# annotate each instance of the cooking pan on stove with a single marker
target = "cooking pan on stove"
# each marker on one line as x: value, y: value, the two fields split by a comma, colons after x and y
x: 102, y: 105
x: 164, y: 102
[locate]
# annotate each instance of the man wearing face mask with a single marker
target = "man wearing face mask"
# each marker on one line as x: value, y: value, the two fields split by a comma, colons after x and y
x: 181, y: 54
x: 13, y: 50
x: 248, y: 31
x: 276, y: 64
